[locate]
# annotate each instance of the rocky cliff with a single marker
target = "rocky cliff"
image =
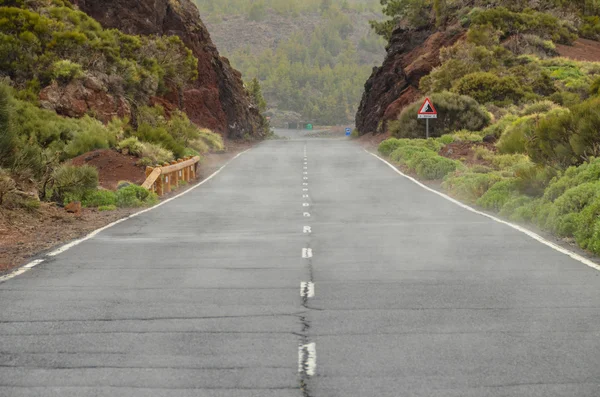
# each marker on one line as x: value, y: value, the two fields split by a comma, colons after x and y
x: 217, y: 100
x: 411, y: 55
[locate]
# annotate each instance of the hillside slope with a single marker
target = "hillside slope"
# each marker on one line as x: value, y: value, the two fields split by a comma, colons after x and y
x: 311, y: 60
x: 217, y: 99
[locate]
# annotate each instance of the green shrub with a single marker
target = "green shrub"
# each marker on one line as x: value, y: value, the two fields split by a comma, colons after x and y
x: 470, y: 186
x: 516, y: 135
x: 533, y: 22
x: 212, y: 139
x: 498, y: 128
x: 405, y: 154
x: 389, y: 145
x: 445, y: 140
x: 155, y: 154
x: 455, y: 112
x: 98, y: 198
x: 72, y: 183
x: 7, y: 185
x: 587, y: 222
x: 107, y: 208
x: 132, y: 145
x: 135, y: 196
x: 510, y: 161
x: 160, y: 136
x: 538, y: 108
x: 65, y: 71
x: 532, y: 179
x: 92, y: 136
x: 435, y: 167
x: 467, y: 136
x: 487, y: 87
x: 573, y: 176
x: 550, y: 142
x: 521, y: 208
x: 516, y: 208
x: 498, y: 195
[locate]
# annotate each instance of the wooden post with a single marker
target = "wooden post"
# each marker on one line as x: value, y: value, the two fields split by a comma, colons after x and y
x: 159, y: 186
x: 167, y: 183
x: 148, y: 172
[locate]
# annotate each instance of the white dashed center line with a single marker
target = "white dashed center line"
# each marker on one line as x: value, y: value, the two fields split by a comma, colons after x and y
x: 307, y: 253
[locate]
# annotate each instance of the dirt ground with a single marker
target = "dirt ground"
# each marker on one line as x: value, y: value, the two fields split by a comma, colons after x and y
x: 465, y: 152
x: 113, y: 167
x: 24, y: 234
x: 581, y: 50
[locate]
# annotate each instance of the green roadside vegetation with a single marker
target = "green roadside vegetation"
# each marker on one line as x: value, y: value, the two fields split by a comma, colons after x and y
x: 46, y: 42
x: 527, y: 122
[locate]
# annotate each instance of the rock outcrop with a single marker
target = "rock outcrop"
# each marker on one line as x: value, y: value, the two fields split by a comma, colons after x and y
x: 411, y: 55
x: 87, y: 95
x: 217, y: 100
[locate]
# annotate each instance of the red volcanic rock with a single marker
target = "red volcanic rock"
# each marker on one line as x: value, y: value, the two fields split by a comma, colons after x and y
x: 84, y: 96
x: 412, y: 54
x: 217, y: 100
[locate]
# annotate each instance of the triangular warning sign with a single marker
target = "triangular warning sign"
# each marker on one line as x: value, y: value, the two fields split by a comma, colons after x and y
x: 427, y: 107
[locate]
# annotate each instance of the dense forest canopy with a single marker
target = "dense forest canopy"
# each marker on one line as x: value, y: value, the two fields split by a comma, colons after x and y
x: 317, y: 71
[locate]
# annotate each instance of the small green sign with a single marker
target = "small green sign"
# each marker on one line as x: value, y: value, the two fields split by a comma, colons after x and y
x: 309, y: 127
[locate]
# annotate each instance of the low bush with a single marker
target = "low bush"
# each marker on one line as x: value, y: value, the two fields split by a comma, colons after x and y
x: 389, y: 145
x: 155, y: 154
x: 538, y: 108
x: 487, y: 87
x: 516, y: 135
x: 498, y: 195
x: 509, y: 162
x: 135, y: 196
x: 98, y: 198
x: 92, y: 136
x: 455, y: 112
x: 7, y: 185
x: 132, y: 145
x: 65, y: 71
x: 470, y: 186
x: 69, y: 182
x: 498, y: 128
x: 161, y: 137
x: 435, y: 167
x: 467, y: 136
x: 107, y: 208
x: 518, y: 208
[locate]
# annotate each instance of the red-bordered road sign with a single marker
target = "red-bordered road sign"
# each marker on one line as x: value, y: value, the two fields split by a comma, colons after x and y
x: 427, y: 110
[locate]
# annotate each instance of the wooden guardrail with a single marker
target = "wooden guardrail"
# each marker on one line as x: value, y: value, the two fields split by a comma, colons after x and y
x: 162, y: 180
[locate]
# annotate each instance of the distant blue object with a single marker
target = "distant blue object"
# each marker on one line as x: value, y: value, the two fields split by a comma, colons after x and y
x: 348, y: 131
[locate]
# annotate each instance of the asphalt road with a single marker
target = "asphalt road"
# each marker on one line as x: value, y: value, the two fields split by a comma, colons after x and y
x: 412, y: 296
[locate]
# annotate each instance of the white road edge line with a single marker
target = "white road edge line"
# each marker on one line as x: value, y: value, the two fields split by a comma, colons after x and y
x: 72, y: 244
x: 521, y: 229
x: 307, y: 354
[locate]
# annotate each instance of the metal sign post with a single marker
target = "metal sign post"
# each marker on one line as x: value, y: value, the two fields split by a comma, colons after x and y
x: 427, y: 112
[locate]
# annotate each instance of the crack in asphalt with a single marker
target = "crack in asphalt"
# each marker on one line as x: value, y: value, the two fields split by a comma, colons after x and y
x: 305, y: 321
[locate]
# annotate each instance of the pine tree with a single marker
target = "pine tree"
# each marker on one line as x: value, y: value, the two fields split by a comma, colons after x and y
x: 255, y: 92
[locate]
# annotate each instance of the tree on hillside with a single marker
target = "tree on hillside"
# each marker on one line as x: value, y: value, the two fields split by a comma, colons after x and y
x: 255, y: 92
x: 415, y: 12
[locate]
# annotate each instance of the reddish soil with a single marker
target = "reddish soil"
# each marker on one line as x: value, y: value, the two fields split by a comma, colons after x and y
x: 465, y: 152
x: 113, y: 167
x: 581, y: 50
x: 25, y: 234
x: 372, y: 141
